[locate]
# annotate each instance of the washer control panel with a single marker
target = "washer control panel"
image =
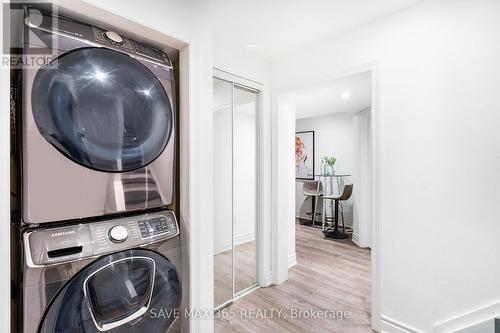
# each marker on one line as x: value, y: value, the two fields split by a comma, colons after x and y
x: 75, y: 242
x: 155, y: 226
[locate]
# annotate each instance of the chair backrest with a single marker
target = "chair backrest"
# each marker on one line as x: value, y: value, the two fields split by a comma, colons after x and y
x: 346, y: 193
x: 311, y: 187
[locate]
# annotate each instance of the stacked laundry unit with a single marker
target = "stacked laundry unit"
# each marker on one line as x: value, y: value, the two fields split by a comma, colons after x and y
x: 100, y: 246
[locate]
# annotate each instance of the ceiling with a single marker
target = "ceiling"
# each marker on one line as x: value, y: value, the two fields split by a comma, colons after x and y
x: 347, y: 95
x: 273, y: 28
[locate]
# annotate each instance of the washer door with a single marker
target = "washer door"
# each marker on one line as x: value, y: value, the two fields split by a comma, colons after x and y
x: 122, y: 292
x: 102, y: 109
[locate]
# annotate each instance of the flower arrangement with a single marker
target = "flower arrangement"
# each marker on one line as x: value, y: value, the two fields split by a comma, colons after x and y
x: 329, y: 160
x: 327, y: 164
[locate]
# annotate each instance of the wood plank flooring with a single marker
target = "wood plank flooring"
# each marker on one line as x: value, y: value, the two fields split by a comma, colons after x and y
x: 329, y: 275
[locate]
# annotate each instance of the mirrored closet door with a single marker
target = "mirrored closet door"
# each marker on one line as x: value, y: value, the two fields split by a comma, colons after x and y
x: 235, y: 189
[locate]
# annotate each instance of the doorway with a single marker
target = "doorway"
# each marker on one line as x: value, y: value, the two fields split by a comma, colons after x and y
x: 366, y: 168
x: 332, y: 150
x: 236, y: 109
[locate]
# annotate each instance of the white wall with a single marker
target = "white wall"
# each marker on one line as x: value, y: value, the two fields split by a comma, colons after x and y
x: 438, y: 79
x: 333, y: 136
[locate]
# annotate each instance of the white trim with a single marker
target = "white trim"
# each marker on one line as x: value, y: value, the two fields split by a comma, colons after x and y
x: 375, y: 199
x: 292, y: 260
x: 390, y: 325
x: 468, y: 319
x: 280, y: 164
x: 240, y: 80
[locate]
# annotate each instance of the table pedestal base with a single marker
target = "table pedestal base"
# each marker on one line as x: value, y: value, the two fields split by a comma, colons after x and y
x: 335, y: 234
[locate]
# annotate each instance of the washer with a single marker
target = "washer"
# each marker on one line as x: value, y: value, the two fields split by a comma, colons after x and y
x: 98, y: 123
x: 117, y: 275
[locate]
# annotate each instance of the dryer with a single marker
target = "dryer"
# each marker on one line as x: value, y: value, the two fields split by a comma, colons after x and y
x: 98, y: 123
x: 114, y: 275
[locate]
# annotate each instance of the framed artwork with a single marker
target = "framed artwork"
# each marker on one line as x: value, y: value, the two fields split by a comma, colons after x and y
x: 304, y: 155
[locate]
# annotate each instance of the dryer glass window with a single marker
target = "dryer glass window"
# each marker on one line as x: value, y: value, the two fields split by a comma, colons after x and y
x: 102, y: 109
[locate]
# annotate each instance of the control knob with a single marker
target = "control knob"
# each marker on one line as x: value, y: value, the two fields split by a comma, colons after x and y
x: 118, y: 234
x: 113, y: 36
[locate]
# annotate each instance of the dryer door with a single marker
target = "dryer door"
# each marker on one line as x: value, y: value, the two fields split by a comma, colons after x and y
x: 102, y: 109
x: 122, y: 292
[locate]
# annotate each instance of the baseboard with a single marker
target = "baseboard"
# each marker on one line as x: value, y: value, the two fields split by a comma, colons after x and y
x: 268, y: 279
x: 292, y: 260
x: 238, y: 240
x: 355, y: 239
x: 468, y: 319
x: 390, y: 325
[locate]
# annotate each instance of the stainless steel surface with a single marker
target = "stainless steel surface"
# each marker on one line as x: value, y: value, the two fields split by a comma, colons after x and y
x: 54, y: 187
x: 93, y: 238
x: 43, y: 277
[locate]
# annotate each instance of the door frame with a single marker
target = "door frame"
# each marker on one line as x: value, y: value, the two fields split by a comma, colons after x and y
x: 237, y: 81
x: 283, y: 194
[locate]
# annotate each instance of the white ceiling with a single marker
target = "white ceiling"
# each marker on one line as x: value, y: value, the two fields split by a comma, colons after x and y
x: 329, y: 99
x: 272, y: 28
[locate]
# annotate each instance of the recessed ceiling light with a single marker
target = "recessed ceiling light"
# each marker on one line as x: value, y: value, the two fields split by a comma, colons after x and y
x: 345, y: 95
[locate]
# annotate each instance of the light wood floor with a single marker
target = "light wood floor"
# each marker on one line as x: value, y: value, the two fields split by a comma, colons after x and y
x: 329, y: 275
x: 245, y: 271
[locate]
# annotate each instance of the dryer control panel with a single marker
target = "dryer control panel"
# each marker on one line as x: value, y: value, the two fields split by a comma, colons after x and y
x: 81, y: 241
x: 111, y: 38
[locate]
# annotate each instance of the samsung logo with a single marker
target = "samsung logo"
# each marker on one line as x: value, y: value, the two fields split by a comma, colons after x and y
x: 62, y: 233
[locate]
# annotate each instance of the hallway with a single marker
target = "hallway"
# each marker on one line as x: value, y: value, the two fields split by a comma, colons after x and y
x: 328, y: 276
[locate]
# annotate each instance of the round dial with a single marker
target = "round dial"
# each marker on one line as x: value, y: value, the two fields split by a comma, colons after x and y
x: 118, y: 234
x: 113, y: 36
